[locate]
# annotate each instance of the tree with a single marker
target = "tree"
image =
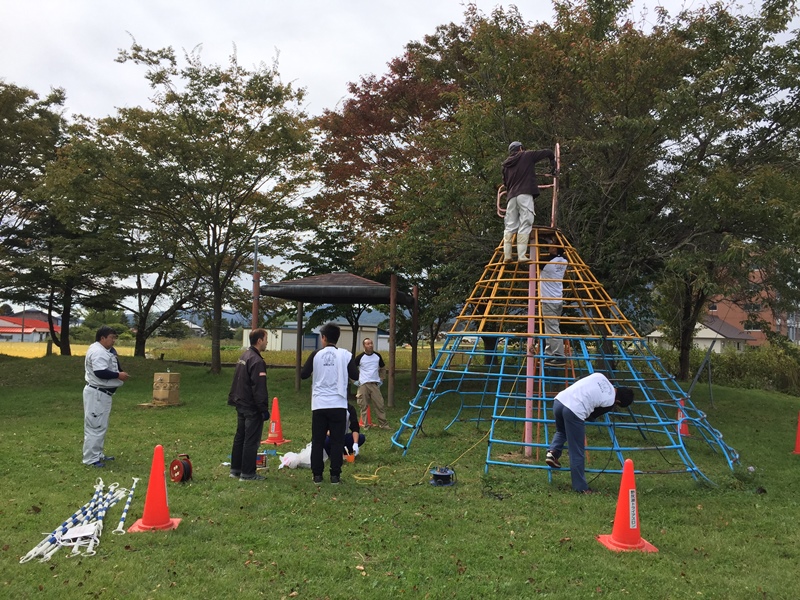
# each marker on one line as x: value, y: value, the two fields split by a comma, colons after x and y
x: 241, y: 298
x: 731, y: 173
x: 30, y: 134
x: 94, y: 319
x: 62, y: 258
x: 331, y: 249
x: 662, y: 133
x: 174, y: 328
x: 31, y: 131
x: 230, y: 147
x: 378, y: 169
x: 154, y: 279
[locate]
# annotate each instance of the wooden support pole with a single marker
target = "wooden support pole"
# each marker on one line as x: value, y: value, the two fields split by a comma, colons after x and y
x: 299, y: 347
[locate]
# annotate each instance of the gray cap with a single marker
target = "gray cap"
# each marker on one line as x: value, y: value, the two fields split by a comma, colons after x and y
x: 514, y: 147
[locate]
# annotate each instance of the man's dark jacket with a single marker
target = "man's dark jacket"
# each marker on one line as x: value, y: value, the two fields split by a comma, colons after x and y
x: 249, y: 385
x: 519, y: 175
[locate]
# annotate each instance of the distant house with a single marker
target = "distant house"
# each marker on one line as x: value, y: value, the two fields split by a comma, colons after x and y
x: 712, y: 328
x: 24, y: 329
x: 737, y: 316
x: 196, y: 330
x: 285, y: 337
x: 196, y: 321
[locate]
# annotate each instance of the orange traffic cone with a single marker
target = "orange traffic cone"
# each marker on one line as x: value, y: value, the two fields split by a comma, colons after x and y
x: 797, y: 443
x: 275, y: 429
x: 625, y: 535
x: 683, y: 425
x: 156, y: 510
x: 369, y: 419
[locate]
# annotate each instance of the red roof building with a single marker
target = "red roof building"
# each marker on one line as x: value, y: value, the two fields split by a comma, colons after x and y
x: 22, y: 329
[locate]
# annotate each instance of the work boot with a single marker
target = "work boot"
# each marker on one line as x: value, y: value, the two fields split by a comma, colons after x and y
x: 522, y: 247
x: 508, y: 240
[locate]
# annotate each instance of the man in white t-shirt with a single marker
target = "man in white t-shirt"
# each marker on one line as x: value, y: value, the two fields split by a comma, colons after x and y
x: 551, y: 291
x: 103, y: 376
x: 585, y: 400
x: 329, y: 366
x: 369, y: 364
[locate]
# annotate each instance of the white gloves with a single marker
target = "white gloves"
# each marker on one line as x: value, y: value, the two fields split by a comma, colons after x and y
x: 355, y: 449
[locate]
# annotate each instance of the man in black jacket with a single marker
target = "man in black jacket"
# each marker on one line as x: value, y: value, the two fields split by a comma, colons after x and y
x: 250, y: 397
x: 519, y: 177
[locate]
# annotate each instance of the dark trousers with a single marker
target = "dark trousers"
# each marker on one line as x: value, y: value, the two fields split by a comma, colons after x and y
x: 324, y: 420
x: 572, y: 430
x: 348, y: 442
x: 249, y: 427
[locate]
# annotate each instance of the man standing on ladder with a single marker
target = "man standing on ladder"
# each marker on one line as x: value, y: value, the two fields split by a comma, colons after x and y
x: 519, y: 178
x: 551, y: 291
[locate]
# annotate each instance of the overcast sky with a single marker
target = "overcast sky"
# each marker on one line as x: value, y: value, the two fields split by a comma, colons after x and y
x: 321, y: 44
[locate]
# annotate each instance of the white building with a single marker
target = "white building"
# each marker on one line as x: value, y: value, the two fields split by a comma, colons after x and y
x: 712, y: 328
x: 285, y: 338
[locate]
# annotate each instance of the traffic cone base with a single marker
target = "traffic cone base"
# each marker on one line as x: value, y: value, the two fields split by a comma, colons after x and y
x: 609, y: 542
x: 625, y: 536
x: 275, y: 429
x: 156, y: 511
x: 138, y: 526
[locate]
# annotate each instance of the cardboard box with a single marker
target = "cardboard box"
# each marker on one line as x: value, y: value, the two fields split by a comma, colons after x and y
x: 166, y: 389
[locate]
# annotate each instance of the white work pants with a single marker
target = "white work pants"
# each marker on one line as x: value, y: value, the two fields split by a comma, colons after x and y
x: 519, y: 214
x: 96, y: 410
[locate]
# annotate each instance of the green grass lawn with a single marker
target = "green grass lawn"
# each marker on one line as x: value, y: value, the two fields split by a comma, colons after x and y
x: 388, y: 533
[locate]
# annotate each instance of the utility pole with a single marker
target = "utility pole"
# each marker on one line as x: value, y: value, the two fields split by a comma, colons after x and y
x: 254, y: 322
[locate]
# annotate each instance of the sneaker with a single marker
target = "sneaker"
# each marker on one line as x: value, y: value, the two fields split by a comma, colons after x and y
x: 255, y: 477
x: 384, y: 427
x: 235, y: 474
x: 98, y: 464
x: 552, y: 461
x: 317, y: 479
x: 107, y: 458
x: 334, y: 479
x: 555, y: 361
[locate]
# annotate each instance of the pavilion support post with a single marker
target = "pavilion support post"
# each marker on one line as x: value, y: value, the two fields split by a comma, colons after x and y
x: 299, y: 348
x: 392, y: 337
x: 414, y: 335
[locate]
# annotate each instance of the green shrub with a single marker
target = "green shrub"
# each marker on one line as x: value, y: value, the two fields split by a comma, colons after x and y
x: 764, y: 367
